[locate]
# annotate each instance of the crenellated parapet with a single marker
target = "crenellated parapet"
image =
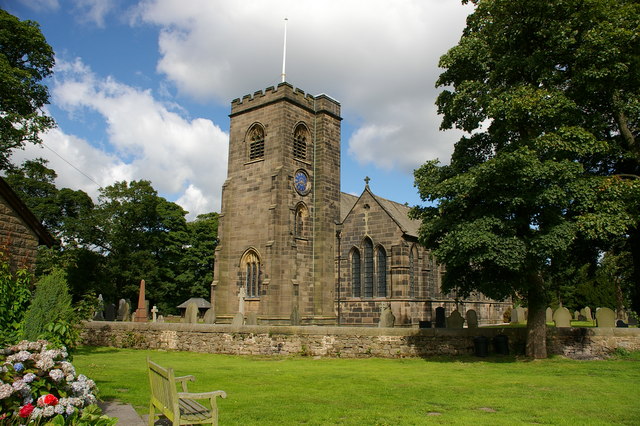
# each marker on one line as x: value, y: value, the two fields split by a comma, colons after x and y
x: 287, y: 93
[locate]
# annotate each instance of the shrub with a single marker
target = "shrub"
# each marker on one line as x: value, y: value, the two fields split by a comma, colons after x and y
x: 51, y: 304
x: 14, y: 299
x: 38, y: 384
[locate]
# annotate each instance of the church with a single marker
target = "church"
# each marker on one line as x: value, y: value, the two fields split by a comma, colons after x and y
x: 294, y: 250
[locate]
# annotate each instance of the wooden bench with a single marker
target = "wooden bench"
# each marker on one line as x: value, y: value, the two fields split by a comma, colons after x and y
x: 181, y: 408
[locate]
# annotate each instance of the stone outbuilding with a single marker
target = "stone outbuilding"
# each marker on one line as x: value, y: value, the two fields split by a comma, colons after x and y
x: 20, y: 231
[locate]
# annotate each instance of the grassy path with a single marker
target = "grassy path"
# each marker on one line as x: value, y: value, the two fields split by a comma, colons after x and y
x: 282, y: 391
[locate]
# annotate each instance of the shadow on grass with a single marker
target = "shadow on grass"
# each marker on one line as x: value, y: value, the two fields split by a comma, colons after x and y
x: 89, y: 350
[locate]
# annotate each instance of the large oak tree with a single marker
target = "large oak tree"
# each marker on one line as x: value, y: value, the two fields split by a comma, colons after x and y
x: 548, y: 94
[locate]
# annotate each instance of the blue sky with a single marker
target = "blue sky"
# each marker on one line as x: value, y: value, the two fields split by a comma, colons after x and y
x: 142, y: 89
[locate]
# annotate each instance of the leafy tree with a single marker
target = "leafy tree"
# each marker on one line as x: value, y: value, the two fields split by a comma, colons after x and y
x: 196, y: 264
x: 547, y: 94
x: 141, y: 236
x: 25, y: 60
x: 15, y: 295
x: 51, y: 303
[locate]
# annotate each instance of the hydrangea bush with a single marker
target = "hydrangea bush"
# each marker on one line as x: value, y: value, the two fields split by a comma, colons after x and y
x: 38, y: 385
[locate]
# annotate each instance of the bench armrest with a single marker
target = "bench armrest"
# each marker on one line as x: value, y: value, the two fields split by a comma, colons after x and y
x: 183, y: 381
x: 202, y: 395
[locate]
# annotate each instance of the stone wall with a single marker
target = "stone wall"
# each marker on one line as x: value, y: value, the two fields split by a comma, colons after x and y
x: 17, y: 236
x: 347, y: 342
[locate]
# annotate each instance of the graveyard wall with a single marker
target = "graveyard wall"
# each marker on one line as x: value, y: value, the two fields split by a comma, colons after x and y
x: 347, y: 342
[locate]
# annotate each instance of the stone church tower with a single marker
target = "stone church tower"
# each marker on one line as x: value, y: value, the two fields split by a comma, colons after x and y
x: 280, y: 204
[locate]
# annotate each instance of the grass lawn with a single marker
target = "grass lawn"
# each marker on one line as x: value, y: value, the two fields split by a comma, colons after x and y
x: 467, y: 390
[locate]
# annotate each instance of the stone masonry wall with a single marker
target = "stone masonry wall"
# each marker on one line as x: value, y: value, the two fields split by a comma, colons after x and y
x: 347, y: 342
x: 16, y: 235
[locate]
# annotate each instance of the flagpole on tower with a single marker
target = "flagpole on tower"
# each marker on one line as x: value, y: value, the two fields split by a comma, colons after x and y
x: 284, y: 54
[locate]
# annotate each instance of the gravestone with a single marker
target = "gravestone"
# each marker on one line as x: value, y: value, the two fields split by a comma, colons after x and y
x: 210, y: 316
x: 582, y: 318
x: 576, y: 316
x: 586, y: 311
x: 295, y: 316
x: 441, y: 319
x: 238, y: 319
x: 127, y: 310
x: 121, y: 309
x: 252, y: 319
x: 605, y: 317
x: 191, y: 313
x: 562, y: 317
x: 472, y: 318
x: 549, y: 315
x: 154, y: 313
x: 387, y: 319
x: 455, y: 320
x: 110, y: 312
x: 99, y: 316
x: 160, y: 318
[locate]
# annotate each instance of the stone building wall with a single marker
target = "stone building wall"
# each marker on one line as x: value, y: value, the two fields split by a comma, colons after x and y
x: 347, y: 342
x: 20, y: 240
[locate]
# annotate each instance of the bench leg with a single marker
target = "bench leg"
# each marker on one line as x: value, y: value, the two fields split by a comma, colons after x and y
x: 152, y: 414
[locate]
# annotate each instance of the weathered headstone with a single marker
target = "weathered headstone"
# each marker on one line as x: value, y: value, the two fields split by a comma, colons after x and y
x: 295, y: 316
x: 160, y: 318
x: 154, y: 313
x: 455, y: 320
x: 562, y: 317
x: 549, y: 315
x: 110, y: 312
x: 441, y: 319
x: 210, y: 316
x: 191, y: 313
x: 122, y: 312
x: 387, y: 319
x: 252, y: 319
x: 586, y: 311
x: 238, y: 319
x: 99, y: 315
x: 605, y: 317
x: 241, y: 295
x: 576, y: 316
x: 521, y: 314
x: 472, y: 318
x: 127, y: 310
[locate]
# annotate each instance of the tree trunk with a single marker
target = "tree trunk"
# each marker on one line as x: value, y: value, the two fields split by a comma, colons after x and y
x: 536, y: 346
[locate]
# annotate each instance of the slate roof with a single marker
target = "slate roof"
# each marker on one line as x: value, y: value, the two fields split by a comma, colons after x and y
x: 398, y: 212
x: 44, y: 237
x: 202, y: 304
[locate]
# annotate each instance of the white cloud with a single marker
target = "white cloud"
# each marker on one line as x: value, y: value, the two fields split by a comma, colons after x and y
x: 378, y: 58
x: 94, y: 11
x: 41, y: 5
x: 183, y: 158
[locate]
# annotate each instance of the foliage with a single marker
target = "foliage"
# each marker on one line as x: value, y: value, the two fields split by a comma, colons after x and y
x: 38, y: 384
x: 383, y: 391
x: 14, y: 299
x: 25, y: 60
x: 51, y: 315
x: 544, y: 91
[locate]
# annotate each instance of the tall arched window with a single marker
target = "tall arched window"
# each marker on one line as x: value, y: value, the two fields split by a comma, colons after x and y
x: 368, y: 267
x: 250, y: 270
x: 300, y: 137
x: 355, y: 273
x: 300, y: 219
x: 413, y: 273
x: 381, y: 272
x: 255, y: 137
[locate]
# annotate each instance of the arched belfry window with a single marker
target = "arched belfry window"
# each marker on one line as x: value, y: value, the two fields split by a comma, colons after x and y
x: 355, y: 273
x: 368, y: 267
x: 300, y: 221
x: 251, y: 272
x: 381, y: 272
x: 255, y: 138
x: 300, y: 138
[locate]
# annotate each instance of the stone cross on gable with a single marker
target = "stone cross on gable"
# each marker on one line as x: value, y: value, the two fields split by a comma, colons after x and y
x: 241, y: 295
x: 367, y: 179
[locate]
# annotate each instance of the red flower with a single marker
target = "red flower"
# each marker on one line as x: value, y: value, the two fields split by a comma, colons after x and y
x: 26, y: 410
x: 48, y: 399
